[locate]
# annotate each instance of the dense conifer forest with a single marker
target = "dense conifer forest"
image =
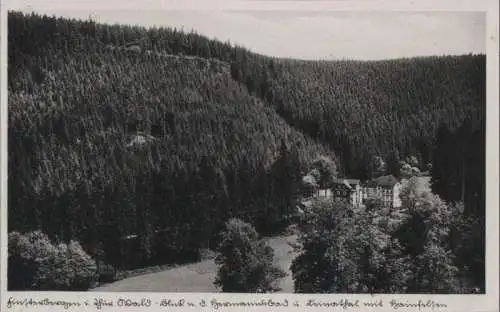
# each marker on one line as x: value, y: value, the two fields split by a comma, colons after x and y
x: 127, y: 138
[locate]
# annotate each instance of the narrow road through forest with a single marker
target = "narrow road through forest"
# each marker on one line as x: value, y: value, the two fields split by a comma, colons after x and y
x: 199, y: 276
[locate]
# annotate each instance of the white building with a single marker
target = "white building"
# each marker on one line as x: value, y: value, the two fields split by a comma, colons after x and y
x: 386, y: 187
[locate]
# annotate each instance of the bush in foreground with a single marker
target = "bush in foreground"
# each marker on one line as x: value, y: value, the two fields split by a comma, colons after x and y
x: 35, y: 263
x: 245, y: 262
x: 425, y: 237
x: 343, y: 251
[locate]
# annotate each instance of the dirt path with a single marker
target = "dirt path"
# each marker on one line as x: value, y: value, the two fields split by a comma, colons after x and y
x: 199, y: 277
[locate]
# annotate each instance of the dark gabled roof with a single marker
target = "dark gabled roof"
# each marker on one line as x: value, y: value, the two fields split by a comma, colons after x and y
x: 352, y: 181
x: 383, y: 181
x: 348, y: 183
x: 343, y: 181
x: 344, y: 184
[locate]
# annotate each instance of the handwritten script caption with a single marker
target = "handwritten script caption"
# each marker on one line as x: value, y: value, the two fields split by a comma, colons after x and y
x: 214, y: 304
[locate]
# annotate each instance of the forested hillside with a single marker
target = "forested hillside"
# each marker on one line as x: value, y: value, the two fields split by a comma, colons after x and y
x: 389, y: 108
x: 156, y: 137
x: 107, y: 143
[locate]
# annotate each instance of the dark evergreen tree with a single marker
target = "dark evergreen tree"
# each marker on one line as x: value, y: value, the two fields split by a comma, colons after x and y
x: 441, y: 162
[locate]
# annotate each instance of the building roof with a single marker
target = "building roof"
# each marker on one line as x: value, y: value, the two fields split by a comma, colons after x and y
x: 348, y: 182
x: 352, y: 181
x: 383, y: 181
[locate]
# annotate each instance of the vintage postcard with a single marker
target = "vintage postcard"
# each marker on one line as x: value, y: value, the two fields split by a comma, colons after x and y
x: 249, y: 155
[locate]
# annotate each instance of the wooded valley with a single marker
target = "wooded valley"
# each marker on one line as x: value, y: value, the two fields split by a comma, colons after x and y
x: 141, y: 144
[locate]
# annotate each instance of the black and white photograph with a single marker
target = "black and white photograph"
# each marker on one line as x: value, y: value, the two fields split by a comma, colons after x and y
x: 306, y: 152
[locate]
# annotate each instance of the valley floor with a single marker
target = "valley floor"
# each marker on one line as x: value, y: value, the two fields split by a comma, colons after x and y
x: 199, y: 276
